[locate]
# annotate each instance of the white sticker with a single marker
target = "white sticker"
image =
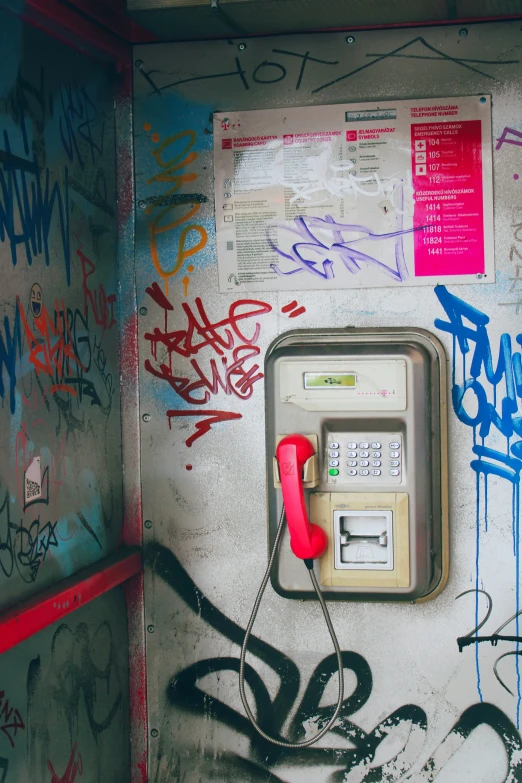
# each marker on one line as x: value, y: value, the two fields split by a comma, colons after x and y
x: 33, y: 481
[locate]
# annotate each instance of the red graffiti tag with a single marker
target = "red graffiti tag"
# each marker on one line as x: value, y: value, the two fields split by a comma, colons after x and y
x: 51, y: 348
x: 74, y: 767
x: 102, y: 306
x: 10, y: 720
x: 202, y: 427
x: 233, y: 371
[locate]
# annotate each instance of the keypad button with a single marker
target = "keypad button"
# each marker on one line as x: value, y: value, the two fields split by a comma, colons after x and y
x: 394, y: 463
x: 352, y: 453
x: 334, y: 463
x: 363, y: 472
x: 376, y: 472
x: 376, y: 463
x: 334, y: 454
x: 333, y: 472
x: 364, y: 463
x: 376, y: 453
x: 352, y: 463
x: 352, y: 472
x: 333, y: 445
x: 364, y: 454
x: 395, y: 472
x: 394, y: 454
x: 352, y: 445
x: 364, y: 445
x: 395, y: 445
x: 376, y: 445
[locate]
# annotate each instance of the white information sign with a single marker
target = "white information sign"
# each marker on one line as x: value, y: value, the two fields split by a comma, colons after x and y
x: 355, y: 195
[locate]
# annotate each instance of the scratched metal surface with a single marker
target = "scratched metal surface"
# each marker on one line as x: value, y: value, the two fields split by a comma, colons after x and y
x: 415, y: 707
x: 65, y: 700
x: 59, y: 377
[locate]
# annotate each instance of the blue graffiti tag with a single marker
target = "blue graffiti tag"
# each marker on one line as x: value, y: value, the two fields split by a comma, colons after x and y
x: 494, y: 392
x: 10, y: 351
x: 322, y: 241
x: 30, y: 205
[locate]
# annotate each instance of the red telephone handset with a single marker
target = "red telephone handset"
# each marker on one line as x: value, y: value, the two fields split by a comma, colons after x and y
x: 307, y: 541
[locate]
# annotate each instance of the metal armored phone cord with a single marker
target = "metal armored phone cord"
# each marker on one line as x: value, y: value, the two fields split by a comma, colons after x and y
x: 309, y: 565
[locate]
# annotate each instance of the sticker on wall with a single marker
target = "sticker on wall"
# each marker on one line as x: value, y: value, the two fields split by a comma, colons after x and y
x: 36, y: 485
x: 355, y: 195
x: 36, y: 300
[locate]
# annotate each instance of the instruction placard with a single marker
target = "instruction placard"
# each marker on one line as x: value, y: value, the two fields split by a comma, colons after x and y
x: 355, y: 195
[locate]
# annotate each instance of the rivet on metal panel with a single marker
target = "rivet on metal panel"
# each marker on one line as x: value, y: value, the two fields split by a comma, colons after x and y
x: 483, y: 100
x: 241, y: 47
x: 463, y: 32
x: 150, y: 628
x: 154, y: 733
x: 143, y: 311
x: 146, y: 417
x: 479, y: 276
x: 142, y: 204
x: 138, y: 63
x: 148, y: 524
x: 350, y: 39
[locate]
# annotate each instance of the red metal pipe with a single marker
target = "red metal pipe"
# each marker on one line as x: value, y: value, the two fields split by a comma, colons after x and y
x: 64, y: 597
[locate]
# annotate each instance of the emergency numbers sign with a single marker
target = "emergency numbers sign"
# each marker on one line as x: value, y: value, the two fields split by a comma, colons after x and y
x: 355, y: 195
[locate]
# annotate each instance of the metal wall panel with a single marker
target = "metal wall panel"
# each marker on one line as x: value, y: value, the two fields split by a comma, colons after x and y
x: 183, y: 20
x: 65, y: 700
x: 416, y: 708
x: 60, y: 432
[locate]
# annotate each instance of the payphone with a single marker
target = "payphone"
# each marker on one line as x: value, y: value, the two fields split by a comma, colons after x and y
x: 372, y: 404
x: 357, y: 463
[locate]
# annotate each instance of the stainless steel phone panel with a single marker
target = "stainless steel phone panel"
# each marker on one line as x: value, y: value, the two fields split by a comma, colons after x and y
x: 413, y: 423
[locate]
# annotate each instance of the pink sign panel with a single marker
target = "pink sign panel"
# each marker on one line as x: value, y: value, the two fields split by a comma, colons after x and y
x: 448, y: 213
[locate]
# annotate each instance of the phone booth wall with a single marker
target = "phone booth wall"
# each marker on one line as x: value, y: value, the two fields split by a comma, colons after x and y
x: 234, y: 273
x: 423, y: 700
x: 65, y: 711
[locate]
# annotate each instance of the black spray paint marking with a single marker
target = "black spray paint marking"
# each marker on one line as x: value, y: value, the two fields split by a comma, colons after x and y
x: 88, y: 528
x: 93, y: 198
x: 441, y: 57
x: 183, y: 693
x: 174, y: 198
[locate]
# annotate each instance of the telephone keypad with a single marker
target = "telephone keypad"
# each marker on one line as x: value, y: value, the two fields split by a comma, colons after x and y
x: 349, y: 459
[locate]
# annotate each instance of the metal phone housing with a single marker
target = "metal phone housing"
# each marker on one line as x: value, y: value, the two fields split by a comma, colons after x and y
x: 388, y: 529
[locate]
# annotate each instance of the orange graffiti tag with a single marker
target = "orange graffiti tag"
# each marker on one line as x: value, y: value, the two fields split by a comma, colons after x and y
x: 172, y: 171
